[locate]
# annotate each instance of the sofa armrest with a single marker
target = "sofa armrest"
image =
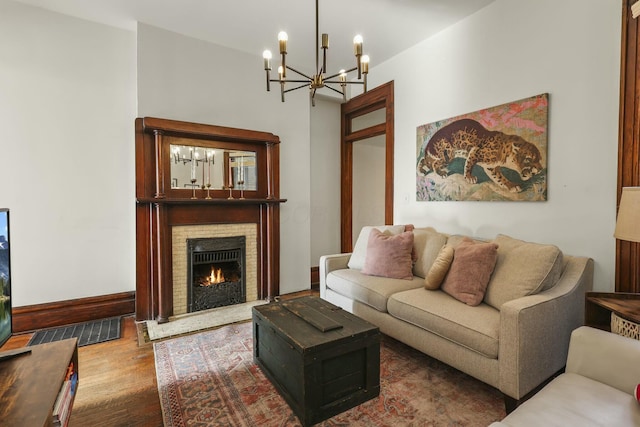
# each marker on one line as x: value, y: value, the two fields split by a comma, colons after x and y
x: 535, y: 330
x: 605, y: 357
x: 329, y: 263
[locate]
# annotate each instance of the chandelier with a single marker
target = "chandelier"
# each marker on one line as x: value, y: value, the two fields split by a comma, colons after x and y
x: 320, y: 79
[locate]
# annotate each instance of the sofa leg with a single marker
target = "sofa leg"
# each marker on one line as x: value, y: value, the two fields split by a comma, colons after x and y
x: 510, y: 404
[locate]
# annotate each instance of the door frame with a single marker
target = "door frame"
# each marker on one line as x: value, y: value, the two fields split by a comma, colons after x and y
x: 373, y: 100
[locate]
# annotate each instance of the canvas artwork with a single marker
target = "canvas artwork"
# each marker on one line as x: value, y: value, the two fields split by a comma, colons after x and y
x: 495, y: 154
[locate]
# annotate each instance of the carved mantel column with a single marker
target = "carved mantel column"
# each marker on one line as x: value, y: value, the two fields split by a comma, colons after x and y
x: 159, y: 162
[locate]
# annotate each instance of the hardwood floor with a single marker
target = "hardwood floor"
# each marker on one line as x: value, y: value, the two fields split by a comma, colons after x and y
x: 117, y: 382
x: 117, y: 385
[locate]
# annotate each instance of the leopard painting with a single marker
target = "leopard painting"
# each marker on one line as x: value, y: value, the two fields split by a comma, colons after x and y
x: 492, y: 150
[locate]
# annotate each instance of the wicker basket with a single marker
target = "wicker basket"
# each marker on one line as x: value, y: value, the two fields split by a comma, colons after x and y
x: 624, y: 327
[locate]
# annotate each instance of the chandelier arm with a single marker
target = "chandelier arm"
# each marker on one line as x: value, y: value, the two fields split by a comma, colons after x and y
x: 290, y: 81
x: 338, y: 82
x: 338, y: 74
x: 333, y: 89
x: 300, y: 73
x: 296, y: 88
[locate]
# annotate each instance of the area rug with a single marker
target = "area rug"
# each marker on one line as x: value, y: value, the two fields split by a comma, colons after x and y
x: 93, y: 332
x: 210, y: 379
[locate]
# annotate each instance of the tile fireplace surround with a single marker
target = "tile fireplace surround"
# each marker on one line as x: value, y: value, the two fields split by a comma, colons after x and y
x: 167, y: 216
x: 179, y: 236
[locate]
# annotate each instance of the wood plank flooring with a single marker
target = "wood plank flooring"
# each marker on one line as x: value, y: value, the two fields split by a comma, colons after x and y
x: 117, y: 382
x: 118, y: 385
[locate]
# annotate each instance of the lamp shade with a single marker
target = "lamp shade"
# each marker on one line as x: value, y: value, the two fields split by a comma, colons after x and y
x: 628, y: 223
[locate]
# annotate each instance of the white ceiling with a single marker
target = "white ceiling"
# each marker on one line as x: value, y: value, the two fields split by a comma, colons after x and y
x: 387, y: 26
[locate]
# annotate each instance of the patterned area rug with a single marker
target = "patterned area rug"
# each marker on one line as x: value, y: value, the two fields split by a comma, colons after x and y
x: 209, y: 379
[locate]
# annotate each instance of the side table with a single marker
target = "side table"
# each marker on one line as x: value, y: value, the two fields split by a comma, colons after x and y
x: 600, y: 305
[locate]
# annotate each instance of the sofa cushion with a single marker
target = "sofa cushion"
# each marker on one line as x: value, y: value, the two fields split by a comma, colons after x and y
x: 439, y: 268
x: 427, y: 243
x: 470, y: 271
x: 523, y: 268
x: 475, y: 328
x: 371, y: 290
x: 389, y: 255
x: 360, y: 248
x: 574, y: 400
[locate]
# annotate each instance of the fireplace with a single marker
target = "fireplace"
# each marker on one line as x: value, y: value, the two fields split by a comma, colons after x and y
x: 216, y: 272
x: 164, y: 211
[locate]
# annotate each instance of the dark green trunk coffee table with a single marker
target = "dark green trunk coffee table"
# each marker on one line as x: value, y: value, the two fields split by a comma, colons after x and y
x: 323, y: 360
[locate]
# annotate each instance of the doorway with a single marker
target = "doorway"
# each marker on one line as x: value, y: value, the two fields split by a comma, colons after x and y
x: 366, y: 141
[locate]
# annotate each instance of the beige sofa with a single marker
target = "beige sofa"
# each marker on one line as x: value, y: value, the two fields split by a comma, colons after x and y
x: 514, y: 340
x: 596, y: 389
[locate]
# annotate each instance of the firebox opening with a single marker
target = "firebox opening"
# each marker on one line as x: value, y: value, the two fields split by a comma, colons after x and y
x: 216, y: 272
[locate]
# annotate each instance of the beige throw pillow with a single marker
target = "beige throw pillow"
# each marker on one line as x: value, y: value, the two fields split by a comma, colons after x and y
x: 523, y: 268
x: 439, y: 268
x: 427, y: 243
x: 389, y: 255
x: 470, y: 271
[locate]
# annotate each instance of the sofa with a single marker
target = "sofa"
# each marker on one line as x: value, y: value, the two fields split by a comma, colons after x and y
x: 514, y: 337
x: 596, y: 389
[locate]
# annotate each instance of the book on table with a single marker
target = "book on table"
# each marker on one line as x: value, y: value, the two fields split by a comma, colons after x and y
x: 62, y: 407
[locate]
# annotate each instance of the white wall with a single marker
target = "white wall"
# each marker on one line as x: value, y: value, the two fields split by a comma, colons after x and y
x: 182, y: 78
x: 507, y: 51
x: 67, y: 110
x: 325, y: 178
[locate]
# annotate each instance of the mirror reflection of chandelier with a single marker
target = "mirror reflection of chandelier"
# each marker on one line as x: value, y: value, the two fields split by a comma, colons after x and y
x: 320, y: 79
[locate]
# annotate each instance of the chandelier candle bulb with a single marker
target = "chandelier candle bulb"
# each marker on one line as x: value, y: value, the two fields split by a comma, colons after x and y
x: 325, y: 46
x: 357, y: 45
x: 365, y: 64
x: 282, y: 41
x: 266, y: 55
x: 365, y: 70
x: 325, y: 41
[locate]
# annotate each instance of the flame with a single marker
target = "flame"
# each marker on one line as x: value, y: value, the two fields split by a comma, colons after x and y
x: 216, y: 276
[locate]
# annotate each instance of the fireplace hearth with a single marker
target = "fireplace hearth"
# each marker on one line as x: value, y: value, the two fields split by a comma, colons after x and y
x: 216, y: 272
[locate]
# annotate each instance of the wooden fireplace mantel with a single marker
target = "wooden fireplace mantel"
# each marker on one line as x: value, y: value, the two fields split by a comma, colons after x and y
x: 160, y: 207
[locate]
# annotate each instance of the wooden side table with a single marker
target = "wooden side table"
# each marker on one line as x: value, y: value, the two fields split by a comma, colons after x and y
x: 30, y: 383
x: 600, y: 305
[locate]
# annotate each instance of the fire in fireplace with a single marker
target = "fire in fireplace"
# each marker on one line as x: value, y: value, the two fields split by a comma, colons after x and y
x: 215, y: 272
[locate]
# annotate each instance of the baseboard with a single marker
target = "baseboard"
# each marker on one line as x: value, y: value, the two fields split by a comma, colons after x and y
x: 60, y: 313
x: 315, y: 277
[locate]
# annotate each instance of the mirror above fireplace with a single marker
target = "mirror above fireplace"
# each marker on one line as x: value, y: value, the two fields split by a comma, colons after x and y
x: 212, y: 167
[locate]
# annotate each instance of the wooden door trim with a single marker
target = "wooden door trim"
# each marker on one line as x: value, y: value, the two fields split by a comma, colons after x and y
x: 628, y: 253
x: 373, y: 100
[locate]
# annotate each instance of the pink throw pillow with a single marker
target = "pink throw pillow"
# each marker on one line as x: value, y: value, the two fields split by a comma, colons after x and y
x: 470, y: 271
x: 389, y: 255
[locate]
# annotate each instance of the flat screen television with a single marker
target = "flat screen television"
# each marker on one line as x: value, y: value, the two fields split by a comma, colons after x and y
x: 5, y: 278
